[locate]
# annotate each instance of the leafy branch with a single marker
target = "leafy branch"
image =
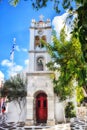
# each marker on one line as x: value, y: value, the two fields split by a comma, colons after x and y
x: 68, y: 55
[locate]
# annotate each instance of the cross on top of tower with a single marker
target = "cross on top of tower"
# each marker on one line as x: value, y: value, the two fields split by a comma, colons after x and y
x: 41, y: 17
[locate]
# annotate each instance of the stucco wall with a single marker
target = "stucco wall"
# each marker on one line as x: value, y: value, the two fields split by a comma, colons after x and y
x: 40, y: 82
x: 59, y: 112
x: 16, y: 113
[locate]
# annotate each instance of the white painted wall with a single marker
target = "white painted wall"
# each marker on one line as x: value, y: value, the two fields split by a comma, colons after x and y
x: 14, y: 113
x: 59, y: 112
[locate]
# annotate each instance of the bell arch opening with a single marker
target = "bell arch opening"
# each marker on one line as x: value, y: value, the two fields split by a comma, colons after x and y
x: 40, y: 64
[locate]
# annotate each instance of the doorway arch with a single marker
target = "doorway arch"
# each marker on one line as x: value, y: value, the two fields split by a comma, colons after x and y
x: 41, y: 108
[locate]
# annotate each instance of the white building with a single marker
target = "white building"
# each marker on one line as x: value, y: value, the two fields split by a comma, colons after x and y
x: 41, y: 106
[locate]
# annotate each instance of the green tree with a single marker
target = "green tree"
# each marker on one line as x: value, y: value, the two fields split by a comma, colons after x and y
x: 79, y: 26
x: 68, y: 55
x: 37, y: 4
x: 14, y: 89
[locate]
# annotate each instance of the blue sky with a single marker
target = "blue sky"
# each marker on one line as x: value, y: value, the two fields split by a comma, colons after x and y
x: 15, y: 23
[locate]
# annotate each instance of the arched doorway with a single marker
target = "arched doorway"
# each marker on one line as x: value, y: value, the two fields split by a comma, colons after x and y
x: 41, y: 108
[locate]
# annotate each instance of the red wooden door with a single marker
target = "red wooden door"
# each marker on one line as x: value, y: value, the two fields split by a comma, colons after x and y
x: 41, y: 108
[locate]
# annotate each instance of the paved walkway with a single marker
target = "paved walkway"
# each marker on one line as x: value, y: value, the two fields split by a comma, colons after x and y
x: 13, y: 126
x: 21, y: 126
x: 76, y: 124
x: 79, y: 125
x: 60, y: 127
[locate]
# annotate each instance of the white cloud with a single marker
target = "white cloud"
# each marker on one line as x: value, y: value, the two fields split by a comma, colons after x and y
x: 11, y: 73
x: 17, y: 48
x: 15, y: 70
x: 6, y: 62
x: 12, y: 69
x: 18, y: 68
x: 60, y: 21
x: 24, y: 49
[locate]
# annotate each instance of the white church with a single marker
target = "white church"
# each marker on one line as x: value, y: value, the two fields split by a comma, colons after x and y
x: 42, y: 106
x: 40, y: 96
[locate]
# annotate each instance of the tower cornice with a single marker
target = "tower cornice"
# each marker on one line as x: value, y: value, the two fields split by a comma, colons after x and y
x: 39, y: 73
x: 41, y: 27
x: 35, y: 51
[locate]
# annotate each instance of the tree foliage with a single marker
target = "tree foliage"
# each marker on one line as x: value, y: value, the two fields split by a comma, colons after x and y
x: 37, y: 4
x: 80, y: 95
x: 14, y: 2
x: 81, y: 28
x: 14, y: 88
x: 70, y: 110
x: 69, y: 56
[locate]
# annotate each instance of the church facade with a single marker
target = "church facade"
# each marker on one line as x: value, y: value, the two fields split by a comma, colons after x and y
x: 42, y: 106
x: 41, y: 103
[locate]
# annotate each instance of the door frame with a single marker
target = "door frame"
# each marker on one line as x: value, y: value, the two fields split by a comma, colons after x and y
x: 35, y: 100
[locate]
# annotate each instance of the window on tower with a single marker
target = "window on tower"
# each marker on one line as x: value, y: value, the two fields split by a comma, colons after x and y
x: 38, y: 42
x: 43, y: 38
x: 40, y: 64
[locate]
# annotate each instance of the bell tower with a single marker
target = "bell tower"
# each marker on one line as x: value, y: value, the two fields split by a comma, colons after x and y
x: 38, y: 55
x: 40, y: 94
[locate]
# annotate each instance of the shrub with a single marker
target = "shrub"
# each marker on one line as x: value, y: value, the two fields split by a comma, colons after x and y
x: 69, y: 110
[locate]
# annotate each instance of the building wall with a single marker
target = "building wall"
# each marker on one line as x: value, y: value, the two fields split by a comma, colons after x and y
x: 39, y: 82
x: 56, y: 112
x: 15, y: 112
x: 59, y: 112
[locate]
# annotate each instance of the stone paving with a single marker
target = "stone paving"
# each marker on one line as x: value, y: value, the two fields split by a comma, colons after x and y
x: 13, y: 126
x: 76, y: 124
x: 4, y: 125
